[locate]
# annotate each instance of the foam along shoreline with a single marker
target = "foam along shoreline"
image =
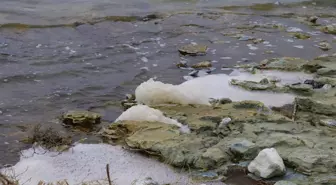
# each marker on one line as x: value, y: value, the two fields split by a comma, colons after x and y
x: 200, y: 90
x: 87, y: 163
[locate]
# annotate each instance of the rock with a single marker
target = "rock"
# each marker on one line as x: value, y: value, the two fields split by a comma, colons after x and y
x: 312, y: 19
x: 130, y: 97
x: 225, y: 101
x: 254, y: 86
x: 204, y: 176
x: 193, y: 49
x: 325, y: 46
x: 181, y: 64
x: 284, y: 63
x: 331, y: 29
x: 245, y: 38
x: 212, y: 157
x: 315, y: 84
x: 257, y: 41
x: 326, y: 72
x: 81, y: 118
x: 301, y: 36
x: 315, y: 105
x: 244, y: 149
x: 204, y: 64
x: 146, y: 181
x: 249, y: 104
x: 267, y: 164
x: 325, y: 80
x: 328, y: 122
x: 284, y: 183
x: 325, y: 180
x: 303, y: 89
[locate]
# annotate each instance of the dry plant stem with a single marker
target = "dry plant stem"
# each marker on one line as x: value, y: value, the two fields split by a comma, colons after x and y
x: 108, y: 174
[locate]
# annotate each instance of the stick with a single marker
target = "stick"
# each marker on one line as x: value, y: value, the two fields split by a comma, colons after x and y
x: 108, y: 174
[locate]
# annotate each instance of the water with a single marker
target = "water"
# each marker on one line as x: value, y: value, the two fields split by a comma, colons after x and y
x: 49, y: 65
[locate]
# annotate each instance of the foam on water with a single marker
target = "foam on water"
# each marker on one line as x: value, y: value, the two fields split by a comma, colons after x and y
x: 145, y: 113
x: 200, y: 90
x: 87, y: 162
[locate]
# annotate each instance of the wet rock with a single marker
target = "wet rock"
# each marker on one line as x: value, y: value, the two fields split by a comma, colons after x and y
x: 325, y: 46
x: 331, y: 29
x: 182, y: 63
x: 249, y: 104
x: 245, y: 38
x: 204, y: 64
x: 319, y: 106
x: 225, y: 100
x: 328, y: 122
x: 325, y: 180
x: 300, y: 35
x: 244, y: 149
x: 321, y: 81
x: 303, y: 89
x: 146, y: 181
x: 312, y: 19
x: 129, y: 101
x: 325, y: 66
x: 193, y: 49
x: 251, y: 85
x: 284, y: 63
x: 308, y: 161
x: 315, y: 84
x: 212, y: 157
x: 267, y: 164
x: 284, y: 183
x: 326, y: 72
x: 81, y: 118
x: 257, y: 40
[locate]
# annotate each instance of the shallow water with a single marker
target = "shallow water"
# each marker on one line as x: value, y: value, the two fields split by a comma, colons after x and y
x: 45, y: 71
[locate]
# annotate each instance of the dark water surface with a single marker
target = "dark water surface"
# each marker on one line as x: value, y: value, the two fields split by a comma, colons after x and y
x: 96, y: 52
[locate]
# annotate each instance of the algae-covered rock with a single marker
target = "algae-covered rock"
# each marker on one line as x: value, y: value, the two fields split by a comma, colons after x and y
x: 267, y: 164
x: 324, y: 66
x: 322, y: 106
x: 244, y: 149
x: 249, y: 104
x: 300, y: 35
x: 331, y: 29
x: 212, y: 157
x: 284, y: 63
x: 312, y: 19
x: 204, y: 64
x: 252, y: 85
x: 303, y: 89
x: 326, y: 80
x: 193, y: 49
x: 81, y: 118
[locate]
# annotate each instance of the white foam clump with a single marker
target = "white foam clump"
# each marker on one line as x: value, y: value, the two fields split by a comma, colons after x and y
x: 145, y: 113
x: 87, y: 162
x: 200, y: 90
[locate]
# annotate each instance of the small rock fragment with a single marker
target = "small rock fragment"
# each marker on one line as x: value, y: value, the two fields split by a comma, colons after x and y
x: 245, y: 149
x: 267, y: 164
x: 325, y: 46
x: 204, y: 64
x: 193, y: 49
x: 301, y: 36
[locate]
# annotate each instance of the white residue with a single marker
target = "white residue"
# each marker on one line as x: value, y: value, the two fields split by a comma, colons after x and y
x: 39, y: 45
x: 144, y: 59
x: 294, y: 29
x: 226, y: 58
x: 213, y: 86
x: 298, y: 46
x: 145, y: 113
x: 87, y: 162
x: 251, y: 47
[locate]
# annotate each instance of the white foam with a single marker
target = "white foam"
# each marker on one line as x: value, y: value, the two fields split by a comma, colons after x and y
x: 87, y: 162
x: 200, y: 90
x: 145, y: 113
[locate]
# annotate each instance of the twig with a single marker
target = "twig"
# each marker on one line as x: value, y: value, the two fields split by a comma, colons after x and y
x: 108, y: 174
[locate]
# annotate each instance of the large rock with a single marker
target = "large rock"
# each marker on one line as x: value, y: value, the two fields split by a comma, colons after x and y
x: 284, y: 63
x: 267, y: 164
x: 81, y: 118
x: 193, y: 49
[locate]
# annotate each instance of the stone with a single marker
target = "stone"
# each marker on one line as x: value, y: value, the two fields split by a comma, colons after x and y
x: 146, y: 181
x: 225, y: 101
x: 200, y: 65
x: 304, y: 89
x: 301, y: 36
x: 211, y: 158
x: 325, y: 46
x: 81, y: 118
x: 244, y: 149
x: 313, y: 19
x: 193, y: 49
x: 331, y: 29
x: 254, y: 86
x: 284, y: 63
x: 224, y: 122
x: 204, y: 176
x: 267, y: 164
x: 182, y: 63
x: 284, y: 183
x: 314, y: 105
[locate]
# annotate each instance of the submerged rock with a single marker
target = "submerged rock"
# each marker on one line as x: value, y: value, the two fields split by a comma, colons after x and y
x: 267, y: 164
x: 325, y: 46
x: 300, y: 35
x: 200, y: 65
x: 252, y: 85
x: 193, y: 49
x: 81, y: 118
